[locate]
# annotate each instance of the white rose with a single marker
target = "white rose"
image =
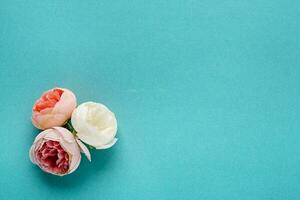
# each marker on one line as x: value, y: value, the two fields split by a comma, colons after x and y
x: 95, y: 125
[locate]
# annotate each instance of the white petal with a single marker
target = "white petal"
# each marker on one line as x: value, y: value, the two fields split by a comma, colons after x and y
x: 108, y: 145
x: 95, y: 124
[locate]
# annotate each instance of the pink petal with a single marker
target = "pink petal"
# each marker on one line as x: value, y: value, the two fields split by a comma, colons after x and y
x: 84, y: 149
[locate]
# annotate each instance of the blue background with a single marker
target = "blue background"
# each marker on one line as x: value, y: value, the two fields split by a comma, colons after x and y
x: 206, y: 93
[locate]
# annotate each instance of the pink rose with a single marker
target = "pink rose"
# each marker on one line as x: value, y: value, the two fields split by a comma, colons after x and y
x: 56, y: 151
x: 54, y: 108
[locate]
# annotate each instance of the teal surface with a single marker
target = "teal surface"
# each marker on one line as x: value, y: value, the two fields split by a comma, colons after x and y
x: 206, y: 93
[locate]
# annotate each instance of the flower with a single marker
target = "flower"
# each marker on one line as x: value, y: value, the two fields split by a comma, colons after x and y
x: 54, y: 108
x: 56, y: 151
x: 95, y: 125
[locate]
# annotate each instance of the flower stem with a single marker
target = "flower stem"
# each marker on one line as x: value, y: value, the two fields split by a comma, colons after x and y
x: 68, y: 125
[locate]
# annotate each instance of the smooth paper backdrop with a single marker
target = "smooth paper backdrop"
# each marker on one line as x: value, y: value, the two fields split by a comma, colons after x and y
x: 206, y: 93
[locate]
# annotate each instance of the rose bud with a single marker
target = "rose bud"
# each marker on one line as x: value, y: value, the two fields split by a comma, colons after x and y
x: 56, y: 151
x: 95, y: 125
x: 54, y: 108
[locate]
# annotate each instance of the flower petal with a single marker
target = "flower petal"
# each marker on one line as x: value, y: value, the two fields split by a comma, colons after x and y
x: 108, y: 145
x: 84, y: 150
x: 31, y: 154
x: 95, y: 124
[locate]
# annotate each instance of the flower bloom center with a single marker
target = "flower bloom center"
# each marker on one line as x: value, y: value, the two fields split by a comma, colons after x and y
x: 52, y: 157
x: 48, y: 100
